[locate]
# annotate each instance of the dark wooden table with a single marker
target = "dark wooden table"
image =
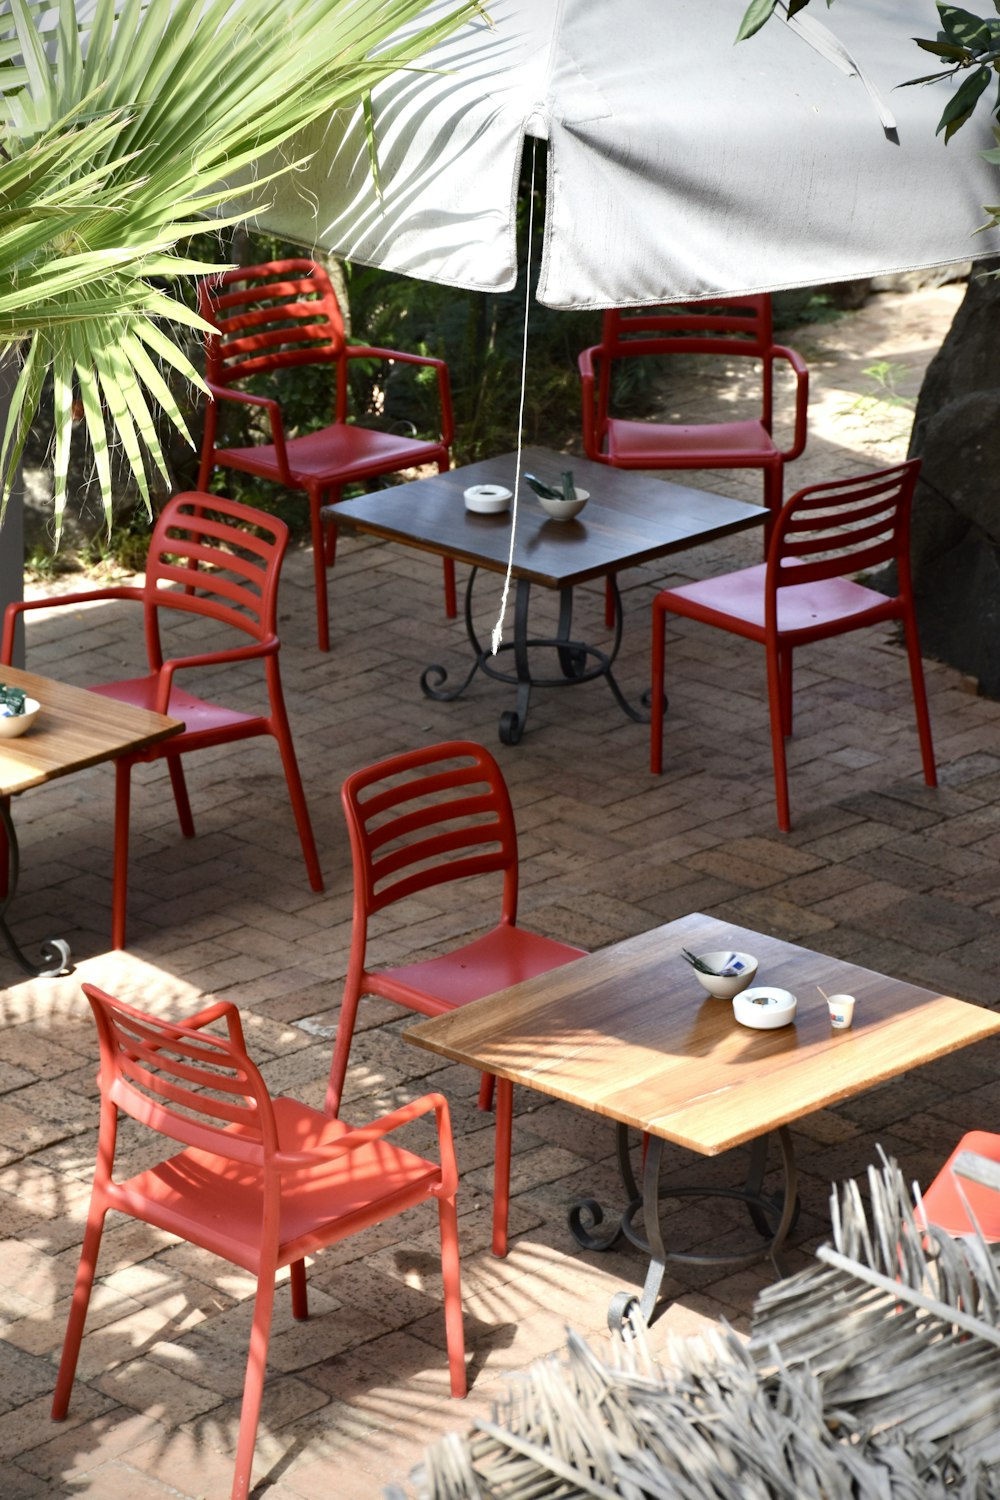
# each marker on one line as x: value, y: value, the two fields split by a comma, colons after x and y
x: 629, y: 519
x: 74, y: 729
x: 627, y: 1032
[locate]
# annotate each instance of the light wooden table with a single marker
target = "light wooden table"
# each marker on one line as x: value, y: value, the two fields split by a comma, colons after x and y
x: 627, y: 1032
x: 631, y: 518
x: 74, y: 729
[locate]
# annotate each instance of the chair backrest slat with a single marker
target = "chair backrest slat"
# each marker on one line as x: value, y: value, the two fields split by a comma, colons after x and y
x: 733, y: 325
x: 405, y: 824
x: 270, y: 317
x: 410, y: 831
x: 842, y: 527
x: 217, y: 558
x: 184, y: 1083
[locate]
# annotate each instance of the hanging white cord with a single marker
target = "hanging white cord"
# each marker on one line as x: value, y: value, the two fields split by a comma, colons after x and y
x: 497, y: 636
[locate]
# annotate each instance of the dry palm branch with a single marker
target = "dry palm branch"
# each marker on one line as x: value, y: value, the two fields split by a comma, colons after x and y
x: 873, y: 1375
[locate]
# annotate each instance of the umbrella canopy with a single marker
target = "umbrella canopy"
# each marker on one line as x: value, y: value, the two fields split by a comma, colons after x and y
x: 680, y: 164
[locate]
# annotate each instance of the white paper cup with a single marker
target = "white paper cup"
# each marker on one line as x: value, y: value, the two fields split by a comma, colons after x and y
x: 841, y: 1009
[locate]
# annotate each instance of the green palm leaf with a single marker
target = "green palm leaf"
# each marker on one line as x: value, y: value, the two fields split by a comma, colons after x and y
x: 119, y: 135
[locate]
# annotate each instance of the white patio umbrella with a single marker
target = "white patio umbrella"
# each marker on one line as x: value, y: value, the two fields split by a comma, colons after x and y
x: 679, y: 164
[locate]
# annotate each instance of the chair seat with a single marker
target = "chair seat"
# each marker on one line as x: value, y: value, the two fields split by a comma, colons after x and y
x: 736, y: 600
x: 337, y: 453
x: 503, y: 957
x: 943, y: 1203
x: 217, y: 1204
x: 198, y: 716
x: 650, y: 444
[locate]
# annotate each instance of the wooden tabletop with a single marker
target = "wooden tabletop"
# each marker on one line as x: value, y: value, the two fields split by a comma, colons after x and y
x: 628, y: 1032
x: 629, y: 519
x: 74, y: 729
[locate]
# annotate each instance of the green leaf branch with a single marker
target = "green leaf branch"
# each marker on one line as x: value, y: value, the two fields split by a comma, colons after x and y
x: 967, y: 43
x: 119, y: 135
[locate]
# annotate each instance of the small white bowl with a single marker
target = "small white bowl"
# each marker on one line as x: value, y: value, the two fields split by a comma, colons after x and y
x: 564, y: 510
x: 12, y: 725
x: 764, y: 1007
x: 725, y: 986
x: 488, y: 499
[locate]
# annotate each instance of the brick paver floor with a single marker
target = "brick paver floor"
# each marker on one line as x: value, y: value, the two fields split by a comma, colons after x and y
x: 878, y: 869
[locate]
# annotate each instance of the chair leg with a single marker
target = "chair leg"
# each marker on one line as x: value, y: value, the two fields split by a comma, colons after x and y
x: 448, y: 563
x: 5, y: 871
x: 450, y: 593
x: 179, y: 786
x: 342, y: 1047
x: 296, y: 792
x: 774, y: 488
x: 501, y: 1169
x: 253, y: 1385
x: 300, y: 1293
x: 656, y: 691
x: 774, y: 698
x: 451, y: 1277
x: 78, y: 1308
x: 920, y: 697
x: 316, y: 529
x: 609, y: 605
x: 119, y: 879
x: 207, y: 462
x: 785, y: 673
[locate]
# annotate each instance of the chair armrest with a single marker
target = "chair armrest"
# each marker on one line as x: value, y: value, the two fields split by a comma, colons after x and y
x: 801, y: 397
x: 404, y: 356
x: 268, y: 404
x: 976, y: 1168
x: 22, y: 606
x: 267, y: 647
x: 369, y: 351
x: 377, y: 1129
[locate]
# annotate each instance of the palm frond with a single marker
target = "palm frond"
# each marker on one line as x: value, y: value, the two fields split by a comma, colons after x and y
x: 875, y: 1372
x: 119, y: 133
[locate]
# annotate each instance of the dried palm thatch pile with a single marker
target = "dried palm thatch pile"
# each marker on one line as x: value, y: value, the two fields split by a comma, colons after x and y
x: 873, y: 1375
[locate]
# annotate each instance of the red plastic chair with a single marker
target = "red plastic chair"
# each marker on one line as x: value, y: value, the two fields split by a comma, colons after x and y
x: 260, y: 1182
x: 727, y: 328
x: 219, y: 562
x: 730, y: 328
x: 417, y: 821
x: 801, y: 594
x: 969, y: 1182
x: 280, y: 316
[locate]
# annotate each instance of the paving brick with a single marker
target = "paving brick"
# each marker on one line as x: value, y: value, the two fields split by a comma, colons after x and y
x: 878, y: 869
x: 149, y: 1388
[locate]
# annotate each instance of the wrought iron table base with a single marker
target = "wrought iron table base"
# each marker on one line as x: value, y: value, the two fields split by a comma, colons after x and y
x: 578, y: 662
x: 773, y: 1217
x: 55, y: 952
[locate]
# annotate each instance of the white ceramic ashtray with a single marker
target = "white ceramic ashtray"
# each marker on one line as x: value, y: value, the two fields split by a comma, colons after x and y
x: 488, y: 499
x: 11, y: 725
x: 731, y: 971
x: 564, y: 510
x: 763, y: 1007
